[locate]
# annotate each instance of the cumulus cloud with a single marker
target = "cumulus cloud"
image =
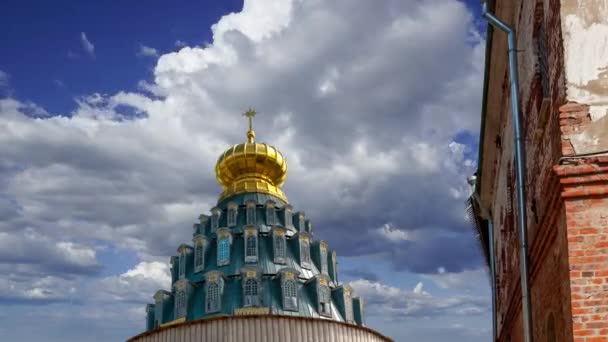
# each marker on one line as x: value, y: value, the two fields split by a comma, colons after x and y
x: 87, y: 46
x: 394, y: 303
x: 364, y: 98
x: 137, y: 284
x: 146, y: 51
x: 31, y: 248
x: 4, y: 77
x: 461, y: 279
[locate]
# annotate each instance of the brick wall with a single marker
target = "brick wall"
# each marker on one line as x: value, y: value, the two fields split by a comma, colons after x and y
x: 567, y: 194
x: 585, y: 193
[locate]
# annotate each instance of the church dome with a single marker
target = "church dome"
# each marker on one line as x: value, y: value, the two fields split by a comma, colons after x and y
x: 254, y: 266
x: 251, y: 167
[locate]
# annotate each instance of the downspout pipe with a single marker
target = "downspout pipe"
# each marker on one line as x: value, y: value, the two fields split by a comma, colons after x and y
x: 520, y: 168
x: 493, y: 278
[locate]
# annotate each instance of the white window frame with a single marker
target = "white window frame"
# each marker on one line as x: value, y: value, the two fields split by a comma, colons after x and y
x: 182, y: 263
x: 181, y: 303
x: 250, y: 212
x: 324, y: 265
x: 249, y: 299
x: 324, y: 295
x: 232, y: 215
x: 199, y: 254
x: 301, y: 222
x: 221, y: 261
x: 305, y: 252
x: 250, y: 233
x: 348, y: 309
x: 216, y: 305
x: 288, y: 217
x: 279, y: 239
x: 290, y: 299
x: 271, y: 214
x: 215, y: 219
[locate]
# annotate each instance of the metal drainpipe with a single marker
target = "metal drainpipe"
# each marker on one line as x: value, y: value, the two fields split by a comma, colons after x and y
x: 520, y: 173
x: 493, y: 279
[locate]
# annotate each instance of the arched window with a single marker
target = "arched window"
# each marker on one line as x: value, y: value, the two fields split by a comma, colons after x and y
x: 223, y: 251
x: 251, y: 248
x: 252, y: 296
x: 251, y: 213
x: 304, y: 252
x: 182, y: 264
x: 280, y: 248
x: 324, y: 300
x: 288, y: 218
x: 271, y: 216
x: 215, y: 219
x: 213, y: 298
x: 323, y: 249
x: 232, y: 214
x: 158, y: 311
x: 290, y: 295
x: 301, y: 222
x: 348, y: 309
x: 199, y: 256
x: 180, y: 304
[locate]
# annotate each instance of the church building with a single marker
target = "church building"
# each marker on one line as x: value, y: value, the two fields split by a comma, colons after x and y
x: 253, y: 270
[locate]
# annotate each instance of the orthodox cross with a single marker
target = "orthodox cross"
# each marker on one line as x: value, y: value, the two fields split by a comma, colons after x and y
x: 250, y: 113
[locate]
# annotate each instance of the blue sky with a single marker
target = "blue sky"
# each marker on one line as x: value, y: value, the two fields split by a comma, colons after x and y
x: 376, y: 107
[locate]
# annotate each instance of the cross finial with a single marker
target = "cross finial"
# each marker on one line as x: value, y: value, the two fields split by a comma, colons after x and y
x: 250, y: 113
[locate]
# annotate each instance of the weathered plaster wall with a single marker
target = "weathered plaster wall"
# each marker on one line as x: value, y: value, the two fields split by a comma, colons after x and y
x: 585, y: 34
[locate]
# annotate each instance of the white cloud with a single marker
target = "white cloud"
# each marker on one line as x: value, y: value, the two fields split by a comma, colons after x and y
x: 364, y: 98
x: 4, y: 77
x: 147, y: 51
x: 392, y: 233
x: 394, y: 303
x: 87, y: 46
x: 180, y: 43
x: 463, y: 279
x: 137, y: 284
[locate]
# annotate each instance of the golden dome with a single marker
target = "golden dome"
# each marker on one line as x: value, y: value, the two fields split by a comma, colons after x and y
x: 251, y: 167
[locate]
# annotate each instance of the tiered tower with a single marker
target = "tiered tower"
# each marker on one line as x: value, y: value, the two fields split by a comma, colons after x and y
x: 253, y: 265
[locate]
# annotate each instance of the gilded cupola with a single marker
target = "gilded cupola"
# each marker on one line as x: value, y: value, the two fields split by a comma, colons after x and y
x: 251, y: 167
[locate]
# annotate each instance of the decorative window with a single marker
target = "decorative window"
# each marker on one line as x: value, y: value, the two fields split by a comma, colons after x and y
x: 182, y: 263
x: 308, y: 228
x: 158, y: 313
x: 232, y: 214
x: 215, y: 219
x: 251, y: 213
x: 288, y: 217
x: 224, y: 241
x: 180, y: 303
x: 213, y: 302
x: 304, y: 252
x: 348, y: 306
x: 280, y: 246
x: 324, y: 298
x: 271, y: 215
x: 251, y: 245
x: 223, y: 252
x: 199, y: 254
x: 301, y: 222
x: 323, y: 248
x: 252, y: 294
x: 290, y: 293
